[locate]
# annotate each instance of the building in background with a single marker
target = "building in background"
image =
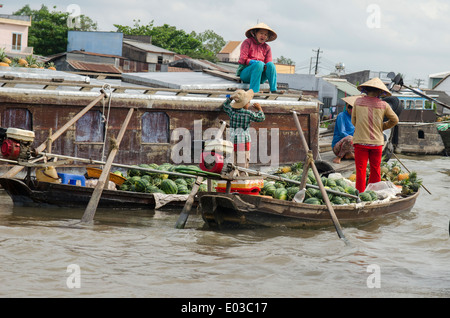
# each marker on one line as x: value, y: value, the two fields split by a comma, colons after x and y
x: 14, y: 35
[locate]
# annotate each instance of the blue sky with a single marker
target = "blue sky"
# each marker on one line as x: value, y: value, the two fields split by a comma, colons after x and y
x: 409, y: 37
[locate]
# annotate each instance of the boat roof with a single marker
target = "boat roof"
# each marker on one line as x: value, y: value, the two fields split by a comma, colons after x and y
x: 147, y: 87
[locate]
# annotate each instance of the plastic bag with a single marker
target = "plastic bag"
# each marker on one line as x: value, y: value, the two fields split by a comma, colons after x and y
x: 384, y: 189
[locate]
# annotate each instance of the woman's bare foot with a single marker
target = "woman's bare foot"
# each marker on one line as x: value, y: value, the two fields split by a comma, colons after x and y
x: 350, y: 155
x: 337, y: 160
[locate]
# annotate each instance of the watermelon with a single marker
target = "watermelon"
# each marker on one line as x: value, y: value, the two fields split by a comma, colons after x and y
x: 134, y: 179
x: 291, y: 192
x: 337, y: 200
x: 119, y: 173
x: 152, y: 189
x: 280, y: 194
x: 351, y: 190
x: 125, y: 187
x: 373, y: 195
x: 365, y: 196
x: 311, y: 193
x: 182, y: 189
x: 341, y: 183
x: 141, y: 185
x: 180, y: 181
x: 132, y: 172
x: 312, y: 201
x: 279, y: 184
x: 270, y: 190
x: 156, y: 181
x: 169, y: 186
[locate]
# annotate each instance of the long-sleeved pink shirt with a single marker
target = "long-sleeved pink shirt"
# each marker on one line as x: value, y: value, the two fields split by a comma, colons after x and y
x: 251, y: 50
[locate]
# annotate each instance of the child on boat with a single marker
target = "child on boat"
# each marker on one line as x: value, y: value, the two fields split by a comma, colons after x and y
x: 237, y: 108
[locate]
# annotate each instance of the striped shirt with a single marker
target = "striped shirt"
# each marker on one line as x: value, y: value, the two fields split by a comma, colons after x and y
x: 240, y: 120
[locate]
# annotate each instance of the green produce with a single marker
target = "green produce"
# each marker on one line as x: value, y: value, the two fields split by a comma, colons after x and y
x: 280, y: 194
x: 364, y: 196
x: 169, y: 186
x: 312, y: 201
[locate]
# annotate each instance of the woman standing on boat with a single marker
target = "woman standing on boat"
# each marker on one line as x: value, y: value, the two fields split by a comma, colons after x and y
x: 368, y: 139
x: 342, y: 143
x: 255, y: 61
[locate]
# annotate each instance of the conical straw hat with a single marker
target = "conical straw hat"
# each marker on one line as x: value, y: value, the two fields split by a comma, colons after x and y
x: 351, y: 99
x: 242, y: 98
x: 272, y: 34
x: 375, y: 83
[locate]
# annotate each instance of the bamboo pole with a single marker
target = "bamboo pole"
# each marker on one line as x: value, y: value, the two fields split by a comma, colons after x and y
x: 15, y: 170
x: 104, y: 177
x: 319, y: 180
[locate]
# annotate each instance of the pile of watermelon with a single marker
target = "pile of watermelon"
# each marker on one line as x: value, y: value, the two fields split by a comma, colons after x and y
x: 152, y: 182
x: 283, y: 190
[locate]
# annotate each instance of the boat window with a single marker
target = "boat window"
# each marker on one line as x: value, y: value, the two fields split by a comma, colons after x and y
x: 421, y: 134
x: 155, y: 127
x: 17, y: 118
x: 90, y: 127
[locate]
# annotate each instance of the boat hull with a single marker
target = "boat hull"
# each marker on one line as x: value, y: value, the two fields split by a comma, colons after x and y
x: 237, y: 210
x: 45, y: 194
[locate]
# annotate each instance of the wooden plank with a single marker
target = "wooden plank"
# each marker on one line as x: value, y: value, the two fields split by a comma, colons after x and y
x: 224, y: 75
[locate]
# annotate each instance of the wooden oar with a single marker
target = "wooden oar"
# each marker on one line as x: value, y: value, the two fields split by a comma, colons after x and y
x: 89, y: 213
x: 15, y: 170
x: 310, y: 161
x: 184, y: 215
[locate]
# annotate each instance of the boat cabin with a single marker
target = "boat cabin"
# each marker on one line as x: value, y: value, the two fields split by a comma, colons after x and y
x: 169, y: 123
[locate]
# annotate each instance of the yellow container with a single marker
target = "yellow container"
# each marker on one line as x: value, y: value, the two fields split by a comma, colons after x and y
x: 95, y: 173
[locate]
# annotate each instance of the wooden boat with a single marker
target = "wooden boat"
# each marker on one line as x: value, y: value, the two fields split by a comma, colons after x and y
x: 221, y: 210
x: 46, y: 194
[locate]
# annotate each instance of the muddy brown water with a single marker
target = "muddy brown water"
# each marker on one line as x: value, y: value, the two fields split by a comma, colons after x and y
x: 46, y: 253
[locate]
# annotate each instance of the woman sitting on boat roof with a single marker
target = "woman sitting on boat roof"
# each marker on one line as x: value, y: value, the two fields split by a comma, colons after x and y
x: 255, y: 61
x: 342, y: 143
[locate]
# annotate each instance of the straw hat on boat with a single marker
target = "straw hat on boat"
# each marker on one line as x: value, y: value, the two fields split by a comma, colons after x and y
x: 272, y: 34
x: 375, y: 83
x: 242, y: 98
x: 351, y: 99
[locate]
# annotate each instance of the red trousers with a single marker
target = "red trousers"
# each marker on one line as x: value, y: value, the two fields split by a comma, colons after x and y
x: 363, y: 154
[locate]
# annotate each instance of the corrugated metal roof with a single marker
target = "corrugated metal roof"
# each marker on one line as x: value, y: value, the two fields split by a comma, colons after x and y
x: 184, y: 80
x: 148, y: 47
x: 344, y: 86
x: 94, y: 67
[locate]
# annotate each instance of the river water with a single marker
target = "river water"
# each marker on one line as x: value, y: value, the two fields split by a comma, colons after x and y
x: 45, y: 253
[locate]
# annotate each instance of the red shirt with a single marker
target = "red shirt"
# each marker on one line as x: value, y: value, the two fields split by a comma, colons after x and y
x: 251, y: 50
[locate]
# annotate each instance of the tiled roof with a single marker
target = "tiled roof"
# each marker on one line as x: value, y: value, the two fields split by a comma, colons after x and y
x: 230, y: 47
